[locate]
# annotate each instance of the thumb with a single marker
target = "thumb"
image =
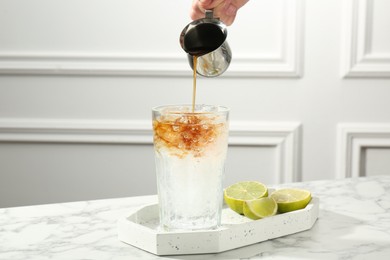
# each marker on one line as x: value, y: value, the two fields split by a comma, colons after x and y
x: 205, y: 2
x: 209, y: 4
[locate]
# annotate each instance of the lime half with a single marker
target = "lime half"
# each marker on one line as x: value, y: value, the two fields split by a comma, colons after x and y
x: 291, y: 199
x: 260, y: 208
x: 236, y: 194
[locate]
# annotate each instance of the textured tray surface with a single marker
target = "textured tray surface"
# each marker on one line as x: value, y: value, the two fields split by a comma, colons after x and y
x: 141, y: 229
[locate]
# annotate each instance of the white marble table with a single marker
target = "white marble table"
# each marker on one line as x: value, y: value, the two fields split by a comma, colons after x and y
x: 354, y: 223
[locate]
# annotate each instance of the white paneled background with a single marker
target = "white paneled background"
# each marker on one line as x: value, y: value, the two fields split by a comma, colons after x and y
x: 308, y: 89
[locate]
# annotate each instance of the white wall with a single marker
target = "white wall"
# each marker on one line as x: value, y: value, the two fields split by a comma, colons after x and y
x: 308, y: 90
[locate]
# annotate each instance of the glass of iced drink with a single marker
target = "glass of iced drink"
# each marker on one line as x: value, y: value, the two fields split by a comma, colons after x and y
x: 190, y: 151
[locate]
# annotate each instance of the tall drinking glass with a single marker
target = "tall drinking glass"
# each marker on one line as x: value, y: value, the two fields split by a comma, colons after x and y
x: 190, y: 152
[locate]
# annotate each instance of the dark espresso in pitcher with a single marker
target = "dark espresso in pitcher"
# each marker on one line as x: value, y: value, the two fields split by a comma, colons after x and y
x: 206, y: 39
x: 203, y: 39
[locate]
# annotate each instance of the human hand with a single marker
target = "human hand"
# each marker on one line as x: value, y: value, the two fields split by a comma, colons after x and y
x: 226, y: 10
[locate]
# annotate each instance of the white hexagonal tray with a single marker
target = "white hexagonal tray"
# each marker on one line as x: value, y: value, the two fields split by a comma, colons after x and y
x: 141, y: 229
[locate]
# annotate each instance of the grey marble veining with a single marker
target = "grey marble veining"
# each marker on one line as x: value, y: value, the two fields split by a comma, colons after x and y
x: 354, y: 223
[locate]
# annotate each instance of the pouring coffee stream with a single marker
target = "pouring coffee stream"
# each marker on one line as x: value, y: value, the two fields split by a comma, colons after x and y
x: 208, y: 52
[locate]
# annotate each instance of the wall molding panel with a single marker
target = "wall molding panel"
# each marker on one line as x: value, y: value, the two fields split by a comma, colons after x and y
x: 289, y: 61
x: 353, y: 140
x: 93, y: 64
x: 285, y: 137
x: 76, y: 131
x: 358, y: 58
x: 286, y: 63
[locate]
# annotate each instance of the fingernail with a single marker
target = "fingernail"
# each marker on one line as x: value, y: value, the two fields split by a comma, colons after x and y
x: 231, y: 10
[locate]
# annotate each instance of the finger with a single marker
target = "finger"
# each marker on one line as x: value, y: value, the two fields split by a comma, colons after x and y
x: 230, y: 10
x: 209, y: 4
x: 226, y: 12
x: 196, y: 12
x: 199, y: 6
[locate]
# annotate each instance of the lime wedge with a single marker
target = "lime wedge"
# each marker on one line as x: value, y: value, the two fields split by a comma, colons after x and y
x: 291, y: 199
x: 260, y: 208
x: 236, y: 194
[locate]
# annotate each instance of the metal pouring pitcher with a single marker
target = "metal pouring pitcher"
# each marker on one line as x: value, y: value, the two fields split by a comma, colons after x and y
x: 206, y: 39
